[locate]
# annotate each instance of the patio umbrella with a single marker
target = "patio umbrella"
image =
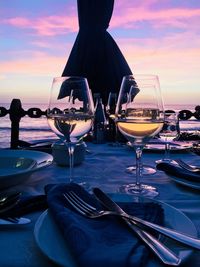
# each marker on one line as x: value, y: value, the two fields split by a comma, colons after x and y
x: 95, y: 55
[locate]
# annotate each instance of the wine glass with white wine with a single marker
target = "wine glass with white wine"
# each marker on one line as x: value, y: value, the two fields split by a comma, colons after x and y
x: 139, y: 117
x: 70, y: 112
x: 151, y: 80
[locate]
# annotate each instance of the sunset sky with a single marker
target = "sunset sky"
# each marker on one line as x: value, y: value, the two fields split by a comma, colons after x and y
x: 156, y: 37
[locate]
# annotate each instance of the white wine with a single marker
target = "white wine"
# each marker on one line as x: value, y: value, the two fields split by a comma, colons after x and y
x: 71, y: 127
x: 139, y: 132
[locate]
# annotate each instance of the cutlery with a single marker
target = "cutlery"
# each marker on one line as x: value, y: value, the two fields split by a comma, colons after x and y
x: 165, y: 254
x: 180, y: 237
x: 7, y: 196
x: 187, y: 166
x: 8, y: 200
x: 14, y: 221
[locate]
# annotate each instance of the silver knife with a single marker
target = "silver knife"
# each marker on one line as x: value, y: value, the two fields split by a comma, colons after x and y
x: 180, y: 237
x: 14, y: 221
x: 165, y: 254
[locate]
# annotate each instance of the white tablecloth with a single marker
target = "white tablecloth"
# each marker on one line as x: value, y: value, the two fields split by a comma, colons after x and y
x: 104, y: 167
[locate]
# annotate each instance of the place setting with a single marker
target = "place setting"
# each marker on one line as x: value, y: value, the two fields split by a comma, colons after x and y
x: 79, y: 222
x: 99, y: 157
x: 68, y: 234
x: 82, y: 225
x: 182, y: 172
x: 176, y: 167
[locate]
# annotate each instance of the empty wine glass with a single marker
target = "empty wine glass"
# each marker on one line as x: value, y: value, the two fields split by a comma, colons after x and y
x: 139, y: 117
x: 169, y: 133
x: 70, y: 112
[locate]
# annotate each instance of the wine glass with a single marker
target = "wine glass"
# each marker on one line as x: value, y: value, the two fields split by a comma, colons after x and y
x: 70, y: 112
x: 169, y: 133
x: 139, y: 117
x: 146, y: 169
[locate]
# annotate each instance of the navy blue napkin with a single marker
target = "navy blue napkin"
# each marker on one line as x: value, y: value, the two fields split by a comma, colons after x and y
x: 105, y: 241
x: 176, y: 170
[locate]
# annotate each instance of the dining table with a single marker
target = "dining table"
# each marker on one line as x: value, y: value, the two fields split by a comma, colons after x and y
x: 104, y: 166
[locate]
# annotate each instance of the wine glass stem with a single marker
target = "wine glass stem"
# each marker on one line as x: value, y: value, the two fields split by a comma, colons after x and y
x: 138, y: 153
x: 167, y: 150
x: 71, y: 148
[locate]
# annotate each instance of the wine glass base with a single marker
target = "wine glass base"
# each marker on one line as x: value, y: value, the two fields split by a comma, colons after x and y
x: 146, y: 170
x: 139, y: 190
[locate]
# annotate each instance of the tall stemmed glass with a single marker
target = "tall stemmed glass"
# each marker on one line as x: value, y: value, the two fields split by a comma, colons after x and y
x: 151, y: 80
x: 169, y: 133
x: 70, y: 112
x: 139, y: 117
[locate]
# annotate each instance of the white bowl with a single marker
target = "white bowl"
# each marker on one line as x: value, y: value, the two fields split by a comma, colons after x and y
x: 16, y: 166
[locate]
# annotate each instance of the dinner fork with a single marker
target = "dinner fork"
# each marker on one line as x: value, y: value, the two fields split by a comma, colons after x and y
x: 92, y: 212
x: 187, y: 166
x: 165, y: 254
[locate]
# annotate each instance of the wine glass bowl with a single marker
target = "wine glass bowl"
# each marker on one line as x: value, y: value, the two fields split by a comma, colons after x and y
x: 70, y: 112
x: 139, y: 117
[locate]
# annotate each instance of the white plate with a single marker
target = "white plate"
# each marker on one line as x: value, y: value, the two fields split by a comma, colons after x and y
x: 51, y: 242
x: 182, y: 181
x: 16, y: 166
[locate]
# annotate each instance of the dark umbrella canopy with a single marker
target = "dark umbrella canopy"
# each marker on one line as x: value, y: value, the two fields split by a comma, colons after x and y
x: 95, y: 55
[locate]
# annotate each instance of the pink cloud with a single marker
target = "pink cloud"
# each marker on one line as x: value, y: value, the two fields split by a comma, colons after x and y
x: 47, y: 26
x: 128, y: 16
x: 35, y: 63
x: 17, y: 22
x: 174, y: 59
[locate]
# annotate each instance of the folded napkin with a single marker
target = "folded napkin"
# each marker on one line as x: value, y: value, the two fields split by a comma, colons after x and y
x: 105, y: 241
x: 176, y: 170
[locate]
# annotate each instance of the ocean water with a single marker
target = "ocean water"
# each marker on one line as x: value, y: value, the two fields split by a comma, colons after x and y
x: 33, y: 129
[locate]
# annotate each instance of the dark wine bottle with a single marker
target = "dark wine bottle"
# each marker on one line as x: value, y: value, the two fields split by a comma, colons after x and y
x: 110, y: 114
x: 100, y: 123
